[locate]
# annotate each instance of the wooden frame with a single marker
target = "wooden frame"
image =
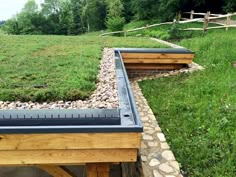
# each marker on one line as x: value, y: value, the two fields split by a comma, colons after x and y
x: 156, y: 61
x: 49, y: 151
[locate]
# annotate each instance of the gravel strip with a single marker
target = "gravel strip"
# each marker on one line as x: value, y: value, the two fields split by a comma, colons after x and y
x: 105, y: 95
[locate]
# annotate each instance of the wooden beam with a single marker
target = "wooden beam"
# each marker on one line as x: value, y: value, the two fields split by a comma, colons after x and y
x: 156, y: 56
x: 153, y: 66
x: 163, y: 61
x: 98, y: 170
x: 69, y: 141
x: 55, y: 171
x: 41, y: 157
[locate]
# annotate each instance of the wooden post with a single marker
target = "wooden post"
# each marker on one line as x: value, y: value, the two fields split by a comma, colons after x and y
x: 97, y: 169
x: 228, y: 21
x: 179, y: 16
x: 191, y: 14
x: 206, y: 21
x: 125, y: 33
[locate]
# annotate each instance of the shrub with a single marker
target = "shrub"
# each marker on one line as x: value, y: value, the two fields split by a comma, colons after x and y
x: 115, y: 23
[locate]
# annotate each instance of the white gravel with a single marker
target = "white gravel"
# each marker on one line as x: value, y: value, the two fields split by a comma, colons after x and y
x: 105, y: 95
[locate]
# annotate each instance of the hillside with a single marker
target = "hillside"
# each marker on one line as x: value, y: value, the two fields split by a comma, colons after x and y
x: 197, y: 111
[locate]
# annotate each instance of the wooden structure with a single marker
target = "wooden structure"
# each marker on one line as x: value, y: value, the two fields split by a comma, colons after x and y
x: 207, y: 18
x: 50, y: 151
x: 211, y: 18
x: 97, y: 149
x: 158, y: 59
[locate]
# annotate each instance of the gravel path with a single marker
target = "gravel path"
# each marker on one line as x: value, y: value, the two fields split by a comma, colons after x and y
x: 105, y: 95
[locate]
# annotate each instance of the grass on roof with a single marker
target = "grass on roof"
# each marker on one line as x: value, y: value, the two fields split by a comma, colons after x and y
x: 49, y: 68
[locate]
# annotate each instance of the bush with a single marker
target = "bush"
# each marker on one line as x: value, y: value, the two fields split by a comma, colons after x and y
x: 115, y: 23
x: 158, y: 34
x: 176, y: 33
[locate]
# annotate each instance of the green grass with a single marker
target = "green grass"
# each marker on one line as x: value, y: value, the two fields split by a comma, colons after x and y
x: 48, y: 68
x: 197, y: 111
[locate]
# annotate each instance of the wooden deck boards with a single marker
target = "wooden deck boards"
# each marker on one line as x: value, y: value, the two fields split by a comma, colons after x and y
x: 156, y: 61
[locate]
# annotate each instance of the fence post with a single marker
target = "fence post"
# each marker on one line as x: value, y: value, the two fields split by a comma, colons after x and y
x: 228, y: 21
x: 206, y: 21
x: 191, y: 14
x: 179, y: 16
x: 125, y: 33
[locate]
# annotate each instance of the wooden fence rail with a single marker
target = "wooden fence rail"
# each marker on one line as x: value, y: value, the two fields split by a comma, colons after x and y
x: 212, y: 18
x: 208, y: 17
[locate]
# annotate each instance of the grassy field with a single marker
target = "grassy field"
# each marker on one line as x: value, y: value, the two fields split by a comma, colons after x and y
x: 197, y: 111
x: 48, y: 68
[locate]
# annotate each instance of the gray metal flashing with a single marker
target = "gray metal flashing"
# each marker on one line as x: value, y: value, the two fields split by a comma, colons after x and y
x: 154, y: 50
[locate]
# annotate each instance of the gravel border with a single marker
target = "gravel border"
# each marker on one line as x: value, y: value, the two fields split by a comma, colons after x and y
x: 105, y: 95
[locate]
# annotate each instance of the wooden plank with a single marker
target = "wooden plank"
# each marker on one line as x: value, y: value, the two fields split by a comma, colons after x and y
x: 69, y: 141
x: 156, y: 56
x: 55, y: 171
x: 41, y: 157
x: 153, y: 66
x: 98, y: 170
x: 91, y: 170
x: 103, y: 170
x: 163, y: 61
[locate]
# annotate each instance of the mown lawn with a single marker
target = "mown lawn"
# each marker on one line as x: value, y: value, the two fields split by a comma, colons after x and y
x: 49, y: 68
x: 197, y: 112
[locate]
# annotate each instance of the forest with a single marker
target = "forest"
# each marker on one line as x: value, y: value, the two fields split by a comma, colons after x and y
x: 74, y: 17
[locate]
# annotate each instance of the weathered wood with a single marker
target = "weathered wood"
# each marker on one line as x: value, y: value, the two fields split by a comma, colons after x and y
x: 206, y: 20
x: 156, y: 56
x: 191, y: 14
x: 40, y: 157
x: 163, y: 61
x: 55, y: 171
x: 98, y: 170
x: 69, y: 141
x: 228, y: 21
x: 153, y: 66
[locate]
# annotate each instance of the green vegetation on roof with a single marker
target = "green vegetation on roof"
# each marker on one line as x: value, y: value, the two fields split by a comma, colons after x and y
x: 49, y: 68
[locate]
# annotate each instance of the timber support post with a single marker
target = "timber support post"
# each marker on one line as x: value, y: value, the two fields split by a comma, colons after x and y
x: 98, y: 169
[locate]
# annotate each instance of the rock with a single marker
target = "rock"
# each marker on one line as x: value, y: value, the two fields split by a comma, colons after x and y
x: 60, y: 102
x: 161, y: 137
x: 143, y: 158
x: 168, y: 155
x: 175, y: 164
x: 165, y: 146
x: 154, y: 162
x: 150, y: 131
x: 165, y: 167
x: 152, y: 144
x: 156, y: 174
x: 147, y: 137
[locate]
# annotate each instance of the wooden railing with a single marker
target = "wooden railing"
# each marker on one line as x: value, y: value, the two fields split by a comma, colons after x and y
x: 212, y: 18
x: 208, y: 18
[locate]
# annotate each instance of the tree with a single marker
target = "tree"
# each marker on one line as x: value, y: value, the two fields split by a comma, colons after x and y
x: 115, y: 20
x: 145, y: 9
x: 11, y: 26
x: 230, y: 6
